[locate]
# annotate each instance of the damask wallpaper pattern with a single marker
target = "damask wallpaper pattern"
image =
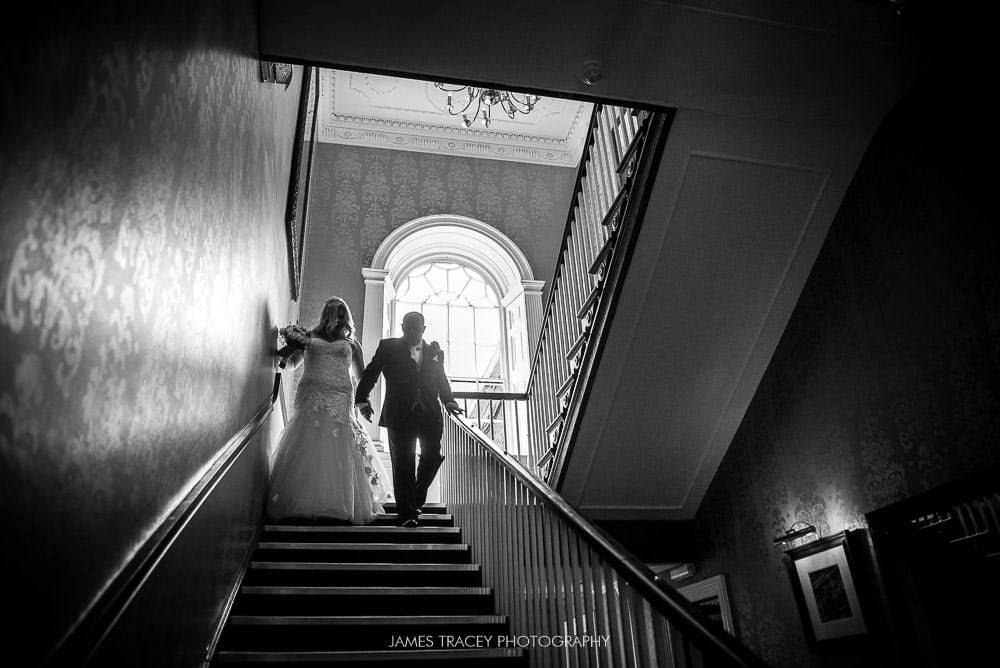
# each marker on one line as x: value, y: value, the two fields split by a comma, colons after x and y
x: 886, y: 382
x: 360, y: 195
x: 142, y: 194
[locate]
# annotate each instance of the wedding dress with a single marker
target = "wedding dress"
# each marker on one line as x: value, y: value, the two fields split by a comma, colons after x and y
x: 326, y: 465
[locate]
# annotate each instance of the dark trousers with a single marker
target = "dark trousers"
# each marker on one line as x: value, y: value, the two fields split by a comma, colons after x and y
x: 410, y: 482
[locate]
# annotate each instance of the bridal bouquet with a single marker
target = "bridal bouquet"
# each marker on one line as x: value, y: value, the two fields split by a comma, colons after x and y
x: 296, y: 338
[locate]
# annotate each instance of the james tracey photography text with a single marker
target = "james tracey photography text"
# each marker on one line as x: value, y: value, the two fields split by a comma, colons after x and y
x: 469, y: 641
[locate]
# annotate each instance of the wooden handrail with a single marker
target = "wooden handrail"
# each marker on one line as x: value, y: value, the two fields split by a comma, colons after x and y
x: 505, y: 396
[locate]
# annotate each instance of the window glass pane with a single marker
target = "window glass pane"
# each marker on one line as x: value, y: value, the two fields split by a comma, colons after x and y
x: 458, y: 282
x: 461, y: 361
x: 438, y: 278
x: 475, y: 288
x: 462, y: 324
x: 436, y: 320
x: 420, y: 289
x: 485, y: 297
x: 487, y: 326
x: 488, y: 361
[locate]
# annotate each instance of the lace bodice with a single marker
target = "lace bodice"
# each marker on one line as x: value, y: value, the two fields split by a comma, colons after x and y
x: 327, y: 382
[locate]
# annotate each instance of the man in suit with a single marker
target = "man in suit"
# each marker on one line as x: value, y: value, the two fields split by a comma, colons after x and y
x: 414, y: 381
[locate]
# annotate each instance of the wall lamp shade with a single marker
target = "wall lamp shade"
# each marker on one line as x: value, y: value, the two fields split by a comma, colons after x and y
x: 792, y: 534
x: 683, y: 571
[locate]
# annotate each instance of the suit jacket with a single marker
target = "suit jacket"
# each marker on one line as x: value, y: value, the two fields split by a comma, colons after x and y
x: 406, y: 384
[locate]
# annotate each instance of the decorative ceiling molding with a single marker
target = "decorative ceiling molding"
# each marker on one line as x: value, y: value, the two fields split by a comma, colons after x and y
x: 407, y: 114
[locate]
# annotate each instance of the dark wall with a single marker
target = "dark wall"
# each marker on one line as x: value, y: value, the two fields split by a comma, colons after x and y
x: 887, y: 379
x: 143, y: 182
x: 171, y: 620
x: 359, y: 195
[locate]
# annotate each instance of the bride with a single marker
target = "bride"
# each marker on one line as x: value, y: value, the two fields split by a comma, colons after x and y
x: 326, y: 465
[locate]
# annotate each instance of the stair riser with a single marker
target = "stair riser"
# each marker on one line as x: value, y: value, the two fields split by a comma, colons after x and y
x: 436, y: 508
x: 389, y: 536
x: 389, y: 518
x: 424, y: 522
x: 345, y: 638
x: 297, y: 578
x: 362, y: 555
x: 293, y: 604
x: 510, y: 662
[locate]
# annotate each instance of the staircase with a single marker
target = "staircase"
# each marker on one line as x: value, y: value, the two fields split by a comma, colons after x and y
x: 341, y: 595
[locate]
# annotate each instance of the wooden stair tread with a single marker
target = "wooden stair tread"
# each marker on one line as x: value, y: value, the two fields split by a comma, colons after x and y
x: 395, y: 580
x: 375, y: 656
x: 367, y: 591
x: 363, y: 620
x: 359, y: 566
x: 286, y: 545
x: 368, y: 528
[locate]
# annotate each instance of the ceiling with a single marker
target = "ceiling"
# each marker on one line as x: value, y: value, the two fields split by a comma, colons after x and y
x: 407, y: 114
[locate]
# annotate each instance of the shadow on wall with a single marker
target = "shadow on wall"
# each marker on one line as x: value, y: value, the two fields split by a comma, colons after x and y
x: 142, y: 248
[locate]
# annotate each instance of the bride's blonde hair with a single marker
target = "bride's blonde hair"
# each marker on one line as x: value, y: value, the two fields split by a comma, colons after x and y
x: 336, y: 316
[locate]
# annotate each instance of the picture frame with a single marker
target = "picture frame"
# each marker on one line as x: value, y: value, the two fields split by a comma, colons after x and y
x: 712, y: 598
x: 829, y: 585
x: 299, y: 178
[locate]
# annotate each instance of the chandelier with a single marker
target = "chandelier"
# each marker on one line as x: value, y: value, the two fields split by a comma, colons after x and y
x: 485, y: 99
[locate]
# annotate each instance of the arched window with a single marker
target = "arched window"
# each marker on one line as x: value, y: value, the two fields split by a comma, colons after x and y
x: 477, y: 293
x: 463, y: 314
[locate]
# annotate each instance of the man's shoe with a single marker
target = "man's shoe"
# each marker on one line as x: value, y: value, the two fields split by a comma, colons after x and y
x: 419, y: 511
x: 409, y: 524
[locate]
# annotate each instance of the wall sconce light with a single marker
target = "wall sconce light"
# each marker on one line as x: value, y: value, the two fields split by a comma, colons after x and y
x: 792, y: 534
x: 279, y: 73
x: 683, y: 571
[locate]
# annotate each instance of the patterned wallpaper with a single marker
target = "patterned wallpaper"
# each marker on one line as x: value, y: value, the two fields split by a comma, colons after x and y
x: 142, y: 194
x: 360, y: 195
x: 887, y: 379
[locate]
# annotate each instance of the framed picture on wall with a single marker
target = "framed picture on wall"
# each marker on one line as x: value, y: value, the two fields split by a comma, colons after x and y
x: 712, y: 598
x: 298, y: 182
x: 828, y: 589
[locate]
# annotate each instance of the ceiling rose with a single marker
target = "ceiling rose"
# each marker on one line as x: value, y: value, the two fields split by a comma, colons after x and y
x: 381, y: 111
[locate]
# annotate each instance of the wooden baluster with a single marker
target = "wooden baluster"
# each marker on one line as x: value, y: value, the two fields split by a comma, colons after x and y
x: 568, y: 576
x: 597, y: 209
x: 620, y: 132
x: 585, y: 597
x: 539, y: 617
x: 556, y: 613
x: 600, y: 158
x: 612, y: 155
x: 588, y: 225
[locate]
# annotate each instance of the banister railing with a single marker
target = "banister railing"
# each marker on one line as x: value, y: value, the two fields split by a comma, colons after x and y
x: 612, y: 184
x: 501, y: 416
x: 574, y: 597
